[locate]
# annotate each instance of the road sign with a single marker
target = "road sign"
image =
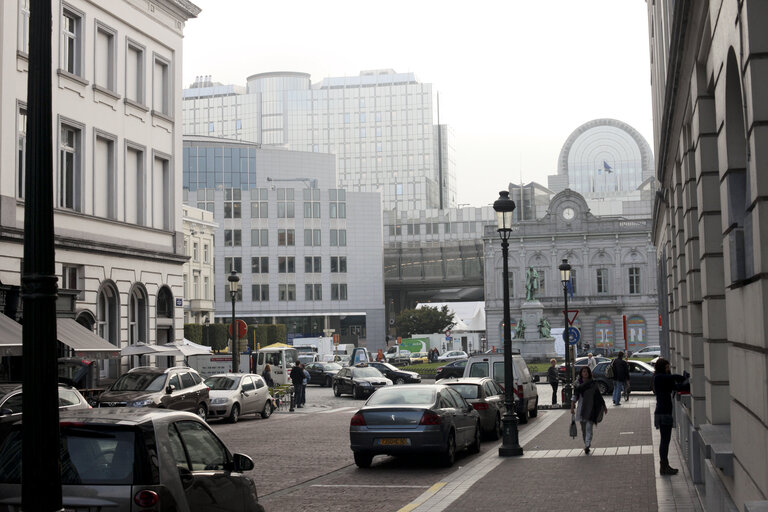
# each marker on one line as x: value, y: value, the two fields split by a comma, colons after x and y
x: 573, y: 335
x: 572, y: 314
x: 335, y: 339
x: 399, y: 340
x: 242, y: 329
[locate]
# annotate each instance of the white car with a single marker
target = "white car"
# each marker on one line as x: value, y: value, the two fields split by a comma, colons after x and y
x: 649, y: 351
x: 453, y: 355
x: 235, y: 394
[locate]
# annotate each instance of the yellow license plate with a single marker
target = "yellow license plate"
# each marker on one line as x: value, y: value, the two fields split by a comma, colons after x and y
x: 394, y: 441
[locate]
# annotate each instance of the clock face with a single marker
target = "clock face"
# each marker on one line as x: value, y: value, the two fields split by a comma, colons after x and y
x: 568, y: 214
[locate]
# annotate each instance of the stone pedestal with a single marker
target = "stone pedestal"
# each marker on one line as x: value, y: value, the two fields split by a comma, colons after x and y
x: 533, y: 346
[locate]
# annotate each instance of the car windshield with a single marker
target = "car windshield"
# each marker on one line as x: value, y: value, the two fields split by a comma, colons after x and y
x: 306, y: 358
x: 90, y: 455
x: 222, y: 383
x: 467, y: 390
x: 139, y: 382
x: 388, y: 366
x: 402, y: 395
x: 365, y: 372
x: 331, y: 366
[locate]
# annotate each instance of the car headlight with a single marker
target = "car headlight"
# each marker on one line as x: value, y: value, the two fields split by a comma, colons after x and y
x: 140, y: 403
x: 365, y: 384
x: 219, y: 401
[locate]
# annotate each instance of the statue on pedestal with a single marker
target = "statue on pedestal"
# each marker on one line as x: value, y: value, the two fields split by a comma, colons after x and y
x: 520, y: 331
x: 544, y: 328
x: 531, y: 283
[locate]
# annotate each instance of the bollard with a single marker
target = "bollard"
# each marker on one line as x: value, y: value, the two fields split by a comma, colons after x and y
x: 293, y: 400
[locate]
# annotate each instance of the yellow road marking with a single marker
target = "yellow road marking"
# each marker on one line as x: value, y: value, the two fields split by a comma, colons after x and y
x: 424, y: 497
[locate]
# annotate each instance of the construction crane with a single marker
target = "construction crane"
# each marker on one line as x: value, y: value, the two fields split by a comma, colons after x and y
x: 309, y: 182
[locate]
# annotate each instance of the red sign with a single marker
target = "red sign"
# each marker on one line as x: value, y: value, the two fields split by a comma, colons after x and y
x: 336, y: 339
x: 571, y: 319
x: 242, y: 329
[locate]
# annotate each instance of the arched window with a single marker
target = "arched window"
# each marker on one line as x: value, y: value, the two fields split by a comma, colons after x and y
x: 164, y: 320
x: 138, y: 324
x: 108, y: 325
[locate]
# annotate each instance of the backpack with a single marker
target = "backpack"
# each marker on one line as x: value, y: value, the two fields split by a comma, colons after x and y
x: 609, y: 371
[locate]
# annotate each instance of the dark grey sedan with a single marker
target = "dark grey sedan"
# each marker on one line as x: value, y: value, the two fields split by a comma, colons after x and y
x: 486, y: 396
x: 401, y: 420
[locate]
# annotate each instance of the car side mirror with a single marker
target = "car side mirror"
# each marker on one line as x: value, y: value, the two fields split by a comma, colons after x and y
x: 187, y: 479
x: 241, y: 463
x: 170, y: 389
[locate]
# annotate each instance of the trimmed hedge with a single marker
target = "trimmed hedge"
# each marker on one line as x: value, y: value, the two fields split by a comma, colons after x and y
x: 217, y: 336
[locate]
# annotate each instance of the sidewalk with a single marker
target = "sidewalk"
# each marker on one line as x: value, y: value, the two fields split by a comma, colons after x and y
x: 554, y: 472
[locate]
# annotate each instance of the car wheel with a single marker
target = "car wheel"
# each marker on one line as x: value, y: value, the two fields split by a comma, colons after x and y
x: 475, y: 446
x: 235, y: 414
x: 267, y: 412
x: 535, y: 411
x: 496, y: 432
x: 399, y: 380
x: 336, y: 390
x: 522, y: 413
x: 328, y: 382
x: 603, y: 387
x: 202, y: 411
x: 448, y: 457
x: 363, y: 459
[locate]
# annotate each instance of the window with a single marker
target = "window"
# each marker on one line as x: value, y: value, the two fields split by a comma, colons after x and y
x: 286, y: 208
x: 573, y: 281
x: 206, y: 288
x: 233, y: 263
x: 72, y: 279
x: 259, y: 292
x: 138, y: 317
x: 206, y: 254
x: 414, y: 229
x: 337, y: 205
x: 72, y: 42
x: 259, y: 209
x: 311, y: 203
x: 260, y: 237
x: 21, y: 161
x: 259, y: 265
x: 338, y: 238
x: 286, y: 264
x: 338, y: 264
x: 232, y: 238
x: 338, y: 291
x: 312, y: 264
x: 602, y: 280
x: 232, y: 205
x: 161, y: 91
x: 313, y: 292
x: 23, y: 33
x: 135, y: 186
x: 134, y: 73
x: 634, y: 280
x: 312, y: 238
x: 195, y: 252
x: 286, y: 237
x: 161, y: 185
x: 542, y: 290
x: 104, y: 177
x: 105, y: 57
x: 286, y: 292
x: 70, y: 172
x: 205, y: 199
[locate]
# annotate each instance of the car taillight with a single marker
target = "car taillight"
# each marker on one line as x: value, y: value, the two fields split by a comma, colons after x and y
x: 439, y: 369
x: 430, y: 418
x: 480, y: 406
x: 146, y: 498
x: 520, y: 391
x: 357, y: 420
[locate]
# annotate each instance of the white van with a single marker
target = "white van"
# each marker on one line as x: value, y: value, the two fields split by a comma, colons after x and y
x: 492, y: 365
x: 280, y: 360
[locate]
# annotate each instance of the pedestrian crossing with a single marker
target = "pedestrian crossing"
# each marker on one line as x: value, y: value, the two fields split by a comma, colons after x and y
x: 645, y: 449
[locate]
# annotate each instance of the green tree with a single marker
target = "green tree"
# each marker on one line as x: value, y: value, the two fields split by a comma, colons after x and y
x: 426, y: 320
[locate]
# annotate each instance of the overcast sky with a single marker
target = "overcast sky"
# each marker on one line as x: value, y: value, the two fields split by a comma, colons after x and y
x: 515, y: 77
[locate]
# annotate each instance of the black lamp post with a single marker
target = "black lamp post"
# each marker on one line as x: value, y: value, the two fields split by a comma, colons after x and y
x: 565, y: 277
x: 510, y: 445
x: 234, y: 279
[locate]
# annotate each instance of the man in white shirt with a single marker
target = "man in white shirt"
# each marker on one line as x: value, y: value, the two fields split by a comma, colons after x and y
x: 591, y: 361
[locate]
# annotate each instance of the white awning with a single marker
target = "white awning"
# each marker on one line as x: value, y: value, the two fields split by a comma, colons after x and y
x: 10, y: 336
x: 84, y: 342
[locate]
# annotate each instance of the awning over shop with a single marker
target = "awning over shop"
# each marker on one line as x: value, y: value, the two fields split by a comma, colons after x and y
x: 10, y: 336
x: 84, y: 342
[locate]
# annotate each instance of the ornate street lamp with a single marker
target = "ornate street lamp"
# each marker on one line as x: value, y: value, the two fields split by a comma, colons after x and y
x: 510, y: 445
x: 234, y: 279
x: 565, y: 277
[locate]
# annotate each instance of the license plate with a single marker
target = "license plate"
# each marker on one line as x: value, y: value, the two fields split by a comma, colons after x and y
x: 394, y: 441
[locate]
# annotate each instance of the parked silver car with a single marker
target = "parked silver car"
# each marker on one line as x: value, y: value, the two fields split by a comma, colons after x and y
x: 10, y: 405
x: 486, y: 396
x: 235, y: 394
x: 399, y: 420
x: 124, y: 458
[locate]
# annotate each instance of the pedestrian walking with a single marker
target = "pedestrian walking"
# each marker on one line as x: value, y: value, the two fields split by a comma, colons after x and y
x: 307, y: 378
x: 664, y: 384
x: 589, y: 406
x: 552, y: 379
x: 591, y: 361
x: 620, y: 377
x: 297, y: 379
x: 267, y: 376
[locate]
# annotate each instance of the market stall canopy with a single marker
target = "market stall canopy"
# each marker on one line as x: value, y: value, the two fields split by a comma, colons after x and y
x: 84, y: 342
x: 469, y: 316
x: 277, y: 345
x: 187, y: 348
x: 10, y: 336
x: 140, y: 348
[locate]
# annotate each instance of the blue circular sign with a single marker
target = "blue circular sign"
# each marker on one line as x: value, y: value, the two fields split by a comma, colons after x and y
x: 573, y: 335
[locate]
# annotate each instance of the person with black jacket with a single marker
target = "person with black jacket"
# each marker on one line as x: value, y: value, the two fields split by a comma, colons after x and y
x: 664, y: 383
x: 589, y: 406
x: 552, y: 379
x: 297, y: 379
x: 620, y: 377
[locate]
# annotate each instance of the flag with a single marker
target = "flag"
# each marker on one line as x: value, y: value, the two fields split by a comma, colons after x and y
x: 607, y: 167
x: 569, y: 287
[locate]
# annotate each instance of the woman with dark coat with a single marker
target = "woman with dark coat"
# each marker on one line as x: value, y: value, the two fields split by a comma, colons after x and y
x: 589, y: 405
x: 664, y: 383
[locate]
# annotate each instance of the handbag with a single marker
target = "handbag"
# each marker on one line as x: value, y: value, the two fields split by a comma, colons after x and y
x: 572, y: 431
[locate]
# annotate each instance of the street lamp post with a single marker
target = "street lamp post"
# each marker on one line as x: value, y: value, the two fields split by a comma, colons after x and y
x: 510, y: 445
x: 234, y: 279
x: 565, y: 277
